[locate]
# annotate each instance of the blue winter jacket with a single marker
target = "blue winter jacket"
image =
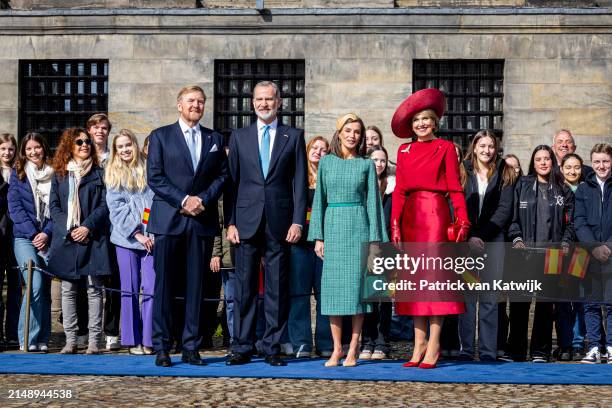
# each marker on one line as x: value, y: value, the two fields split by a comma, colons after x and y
x: 593, y: 216
x: 126, y: 213
x: 23, y: 211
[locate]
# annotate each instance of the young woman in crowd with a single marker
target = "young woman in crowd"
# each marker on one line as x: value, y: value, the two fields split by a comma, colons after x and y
x: 129, y: 201
x: 427, y: 171
x: 488, y: 195
x: 572, y: 168
x: 373, y: 137
x: 543, y: 211
x: 80, y: 250
x: 8, y: 327
x: 593, y: 220
x: 346, y: 214
x: 377, y: 325
x: 305, y: 274
x: 28, y: 199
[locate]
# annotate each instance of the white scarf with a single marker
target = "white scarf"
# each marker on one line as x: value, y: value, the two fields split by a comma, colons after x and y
x: 76, y: 171
x: 40, y: 181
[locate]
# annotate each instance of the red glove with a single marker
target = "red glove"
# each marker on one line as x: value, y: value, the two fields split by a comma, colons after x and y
x: 462, y: 235
x: 396, y: 234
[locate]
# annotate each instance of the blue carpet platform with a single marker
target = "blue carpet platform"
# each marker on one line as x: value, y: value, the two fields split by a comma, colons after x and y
x: 447, y: 372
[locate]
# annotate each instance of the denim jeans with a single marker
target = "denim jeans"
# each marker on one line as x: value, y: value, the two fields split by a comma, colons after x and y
x: 593, y: 319
x: 227, y: 279
x: 40, y: 299
x: 95, y: 309
x: 304, y: 276
x: 579, y: 325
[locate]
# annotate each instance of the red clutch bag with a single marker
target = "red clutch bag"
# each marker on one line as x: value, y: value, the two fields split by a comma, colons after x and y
x: 452, y: 232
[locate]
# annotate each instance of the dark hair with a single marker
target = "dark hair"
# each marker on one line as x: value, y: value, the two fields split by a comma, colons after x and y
x: 377, y: 130
x: 335, y: 147
x: 571, y: 156
x: 555, y: 178
x: 63, y: 154
x: 22, y: 159
x: 383, y: 176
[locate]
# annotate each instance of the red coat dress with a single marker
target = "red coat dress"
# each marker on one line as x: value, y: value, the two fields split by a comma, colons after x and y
x: 427, y: 172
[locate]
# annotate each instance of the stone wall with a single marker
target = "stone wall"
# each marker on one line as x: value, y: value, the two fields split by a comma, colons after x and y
x: 558, y: 69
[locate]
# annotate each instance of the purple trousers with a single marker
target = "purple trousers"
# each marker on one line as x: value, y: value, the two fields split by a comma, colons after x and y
x: 136, y: 271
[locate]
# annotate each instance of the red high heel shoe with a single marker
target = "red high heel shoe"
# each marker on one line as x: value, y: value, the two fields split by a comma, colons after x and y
x: 415, y: 363
x: 432, y: 365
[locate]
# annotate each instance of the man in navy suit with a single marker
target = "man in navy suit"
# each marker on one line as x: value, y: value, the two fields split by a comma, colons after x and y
x: 187, y: 170
x: 268, y: 166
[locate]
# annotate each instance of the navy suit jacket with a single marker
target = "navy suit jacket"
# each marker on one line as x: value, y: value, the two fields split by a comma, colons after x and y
x: 282, y: 194
x: 171, y: 177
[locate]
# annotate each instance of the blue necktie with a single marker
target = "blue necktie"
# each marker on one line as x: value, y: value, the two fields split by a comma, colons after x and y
x: 192, y: 148
x: 264, y: 151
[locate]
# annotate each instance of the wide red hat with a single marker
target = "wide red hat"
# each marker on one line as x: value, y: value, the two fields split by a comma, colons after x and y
x: 429, y: 98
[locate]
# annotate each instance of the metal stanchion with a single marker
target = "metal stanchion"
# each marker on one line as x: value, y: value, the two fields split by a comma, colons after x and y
x: 26, y: 328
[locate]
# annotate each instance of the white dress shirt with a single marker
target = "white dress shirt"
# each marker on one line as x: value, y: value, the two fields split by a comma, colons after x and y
x: 272, y: 131
x: 187, y: 134
x: 198, y: 145
x: 602, y: 184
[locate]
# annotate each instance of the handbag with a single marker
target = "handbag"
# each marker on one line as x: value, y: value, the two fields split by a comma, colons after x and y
x: 452, y: 232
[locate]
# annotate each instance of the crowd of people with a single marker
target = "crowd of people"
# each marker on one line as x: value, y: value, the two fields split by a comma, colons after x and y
x: 269, y: 220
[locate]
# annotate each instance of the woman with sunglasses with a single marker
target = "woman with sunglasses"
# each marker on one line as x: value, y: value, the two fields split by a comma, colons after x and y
x: 80, y: 252
x: 28, y: 198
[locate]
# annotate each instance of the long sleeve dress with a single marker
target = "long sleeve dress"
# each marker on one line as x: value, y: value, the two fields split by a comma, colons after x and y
x: 346, y: 213
x: 426, y: 172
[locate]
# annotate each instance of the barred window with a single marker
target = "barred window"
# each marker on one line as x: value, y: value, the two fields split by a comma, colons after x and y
x: 58, y: 94
x: 474, y: 95
x: 234, y: 82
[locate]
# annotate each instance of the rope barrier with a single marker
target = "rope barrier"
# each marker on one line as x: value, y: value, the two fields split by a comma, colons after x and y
x: 149, y: 295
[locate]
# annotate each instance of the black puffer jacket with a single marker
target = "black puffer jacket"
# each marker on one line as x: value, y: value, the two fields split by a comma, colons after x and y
x: 496, y: 213
x: 525, y: 209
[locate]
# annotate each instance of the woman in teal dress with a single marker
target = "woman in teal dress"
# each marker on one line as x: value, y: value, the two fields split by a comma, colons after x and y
x: 346, y: 214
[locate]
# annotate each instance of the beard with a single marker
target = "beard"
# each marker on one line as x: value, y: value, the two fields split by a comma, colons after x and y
x: 265, y: 116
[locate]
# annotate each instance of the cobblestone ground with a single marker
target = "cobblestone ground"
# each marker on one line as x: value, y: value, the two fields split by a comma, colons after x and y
x: 244, y: 392
x: 232, y: 392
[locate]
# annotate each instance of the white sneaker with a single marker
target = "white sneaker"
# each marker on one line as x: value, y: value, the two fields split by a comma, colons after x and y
x: 302, y: 352
x: 138, y: 350
x: 379, y: 355
x: 609, y: 354
x: 287, y: 349
x: 366, y: 354
x: 82, y: 341
x: 112, y: 343
x: 43, y: 347
x: 592, y: 357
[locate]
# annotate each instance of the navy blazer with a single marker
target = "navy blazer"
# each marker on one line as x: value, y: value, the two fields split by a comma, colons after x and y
x: 282, y: 194
x: 171, y: 176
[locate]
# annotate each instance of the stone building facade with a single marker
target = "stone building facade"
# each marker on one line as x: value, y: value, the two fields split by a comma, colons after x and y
x: 358, y: 56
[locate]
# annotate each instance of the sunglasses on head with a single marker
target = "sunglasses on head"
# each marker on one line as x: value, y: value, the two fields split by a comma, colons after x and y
x: 81, y: 142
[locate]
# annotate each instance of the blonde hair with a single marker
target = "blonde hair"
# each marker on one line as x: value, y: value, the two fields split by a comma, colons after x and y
x: 430, y: 113
x: 313, y: 167
x: 131, y: 176
x: 188, y: 89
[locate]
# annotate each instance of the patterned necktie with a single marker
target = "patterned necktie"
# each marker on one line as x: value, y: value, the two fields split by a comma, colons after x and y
x: 264, y: 151
x: 192, y: 148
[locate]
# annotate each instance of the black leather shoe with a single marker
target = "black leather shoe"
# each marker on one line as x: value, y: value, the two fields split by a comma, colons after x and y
x: 163, y: 359
x: 275, y: 361
x: 192, y: 357
x: 238, y: 359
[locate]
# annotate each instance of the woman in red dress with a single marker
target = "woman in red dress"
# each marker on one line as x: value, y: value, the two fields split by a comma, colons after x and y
x: 427, y: 173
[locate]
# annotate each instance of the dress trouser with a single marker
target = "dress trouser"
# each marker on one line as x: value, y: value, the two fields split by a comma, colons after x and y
x: 276, y: 290
x: 112, y: 303
x: 179, y: 258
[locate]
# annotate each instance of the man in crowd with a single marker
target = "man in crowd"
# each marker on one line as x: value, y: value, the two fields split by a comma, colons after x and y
x: 563, y: 143
x: 187, y: 170
x: 99, y: 126
x: 268, y: 167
